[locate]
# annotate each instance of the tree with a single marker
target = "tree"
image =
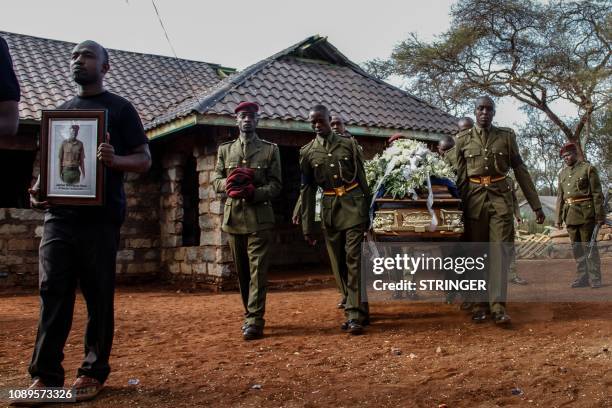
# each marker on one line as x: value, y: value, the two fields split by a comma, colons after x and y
x: 599, y: 146
x: 538, y: 53
x: 540, y: 142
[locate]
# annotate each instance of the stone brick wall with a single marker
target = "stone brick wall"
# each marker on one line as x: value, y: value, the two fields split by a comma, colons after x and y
x: 139, y: 257
x: 137, y: 260
x: 20, y: 233
x: 152, y: 245
x: 207, y: 264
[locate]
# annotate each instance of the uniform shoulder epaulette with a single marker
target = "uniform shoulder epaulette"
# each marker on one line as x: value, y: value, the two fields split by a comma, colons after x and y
x: 307, y: 146
x: 354, y: 140
x: 507, y: 130
x: 464, y: 132
x: 228, y: 142
x: 590, y: 167
x: 270, y: 143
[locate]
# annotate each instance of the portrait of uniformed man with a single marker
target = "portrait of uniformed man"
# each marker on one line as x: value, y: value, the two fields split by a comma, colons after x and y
x: 72, y: 158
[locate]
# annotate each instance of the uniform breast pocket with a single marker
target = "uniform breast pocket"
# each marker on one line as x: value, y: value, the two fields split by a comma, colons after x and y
x: 583, y: 183
x: 230, y: 166
x: 346, y: 167
x: 473, y: 157
x: 319, y: 166
x: 261, y: 170
x: 502, y: 163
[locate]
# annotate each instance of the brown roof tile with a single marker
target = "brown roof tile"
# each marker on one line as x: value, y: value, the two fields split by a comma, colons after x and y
x: 289, y: 83
x: 285, y: 85
x: 152, y: 83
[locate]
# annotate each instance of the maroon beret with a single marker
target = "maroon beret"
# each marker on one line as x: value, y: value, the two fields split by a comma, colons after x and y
x: 247, y: 106
x: 568, y: 147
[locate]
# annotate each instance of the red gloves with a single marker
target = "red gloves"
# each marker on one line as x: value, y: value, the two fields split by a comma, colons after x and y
x: 239, y: 183
x: 239, y: 176
x: 242, y: 192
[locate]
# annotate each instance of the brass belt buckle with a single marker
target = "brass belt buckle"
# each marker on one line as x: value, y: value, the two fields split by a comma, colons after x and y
x: 486, y: 180
x: 340, y: 191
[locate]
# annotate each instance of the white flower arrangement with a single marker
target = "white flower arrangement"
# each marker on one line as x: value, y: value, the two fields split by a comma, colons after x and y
x: 404, y: 168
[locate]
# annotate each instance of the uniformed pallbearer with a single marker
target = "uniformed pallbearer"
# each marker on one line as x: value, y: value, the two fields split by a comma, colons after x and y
x: 335, y: 163
x: 580, y: 207
x: 248, y: 170
x: 338, y: 128
x: 485, y: 155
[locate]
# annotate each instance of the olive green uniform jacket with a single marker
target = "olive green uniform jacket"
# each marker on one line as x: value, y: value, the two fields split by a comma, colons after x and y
x: 489, y: 208
x: 494, y: 158
x: 338, y: 163
x: 241, y: 216
x: 579, y: 180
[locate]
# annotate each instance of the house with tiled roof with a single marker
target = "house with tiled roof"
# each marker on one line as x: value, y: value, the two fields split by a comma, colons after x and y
x: 174, y: 215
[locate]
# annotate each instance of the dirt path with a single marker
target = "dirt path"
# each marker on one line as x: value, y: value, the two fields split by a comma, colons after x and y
x: 186, y: 350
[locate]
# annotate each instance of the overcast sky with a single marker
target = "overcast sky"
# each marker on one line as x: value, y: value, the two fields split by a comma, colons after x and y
x: 236, y: 33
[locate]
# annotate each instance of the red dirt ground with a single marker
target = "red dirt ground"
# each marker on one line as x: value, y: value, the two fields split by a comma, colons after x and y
x: 186, y: 350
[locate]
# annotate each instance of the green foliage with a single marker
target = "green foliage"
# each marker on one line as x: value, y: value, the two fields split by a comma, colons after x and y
x: 540, y: 141
x: 535, y: 52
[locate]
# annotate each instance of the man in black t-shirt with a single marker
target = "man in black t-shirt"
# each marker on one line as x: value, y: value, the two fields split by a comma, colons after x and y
x: 79, y: 244
x: 9, y: 93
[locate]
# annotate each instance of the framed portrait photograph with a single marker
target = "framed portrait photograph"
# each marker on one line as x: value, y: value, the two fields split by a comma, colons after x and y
x: 70, y: 172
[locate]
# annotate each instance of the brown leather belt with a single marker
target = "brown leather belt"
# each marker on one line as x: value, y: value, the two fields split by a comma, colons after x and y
x: 340, y: 191
x: 578, y: 199
x: 485, y: 180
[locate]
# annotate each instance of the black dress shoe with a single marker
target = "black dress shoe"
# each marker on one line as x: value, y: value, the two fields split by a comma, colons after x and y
x: 517, y: 280
x: 342, y: 303
x: 365, y: 322
x: 479, y: 316
x: 580, y: 283
x: 353, y: 327
x: 596, y: 284
x: 252, y: 332
x: 501, y: 318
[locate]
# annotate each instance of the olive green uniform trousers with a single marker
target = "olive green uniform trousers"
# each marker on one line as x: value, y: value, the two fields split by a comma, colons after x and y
x: 251, y: 257
x: 344, y: 249
x: 71, y: 175
x: 498, y: 230
x: 586, y: 265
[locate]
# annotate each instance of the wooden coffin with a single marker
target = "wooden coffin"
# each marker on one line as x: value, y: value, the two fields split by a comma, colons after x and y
x: 410, y: 219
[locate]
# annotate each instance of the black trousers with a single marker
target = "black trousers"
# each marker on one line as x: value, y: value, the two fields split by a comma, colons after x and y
x: 72, y: 253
